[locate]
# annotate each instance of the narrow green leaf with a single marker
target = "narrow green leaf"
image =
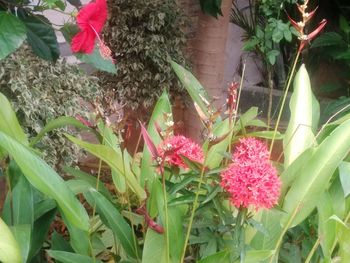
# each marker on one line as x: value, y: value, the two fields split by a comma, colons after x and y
x: 299, y: 135
x: 154, y: 247
x: 22, y: 234
x: 303, y: 195
x: 192, y: 85
x: 8, y: 121
x: 219, y: 257
x: 90, y: 179
x: 68, y: 257
x: 253, y: 256
x: 326, y: 227
x: 162, y: 107
x: 266, y: 135
x: 344, y: 175
x: 58, y: 123
x: 9, y: 248
x: 112, y: 158
x: 46, y: 180
x: 343, y: 234
x: 12, y: 34
x: 111, y: 217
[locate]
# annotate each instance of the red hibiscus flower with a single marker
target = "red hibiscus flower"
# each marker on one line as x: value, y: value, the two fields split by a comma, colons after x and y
x: 91, y: 19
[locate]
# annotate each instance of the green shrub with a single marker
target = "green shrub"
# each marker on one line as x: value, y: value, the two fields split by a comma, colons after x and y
x: 143, y: 34
x: 41, y: 91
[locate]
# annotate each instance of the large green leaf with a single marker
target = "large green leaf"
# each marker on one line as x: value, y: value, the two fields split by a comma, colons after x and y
x: 68, y: 257
x: 112, y: 158
x: 9, y: 249
x: 147, y: 169
x: 299, y: 135
x: 343, y: 234
x: 59, y: 123
x: 12, y: 34
x: 46, y: 180
x: 344, y: 175
x: 41, y: 37
x: 253, y: 256
x: 111, y: 217
x: 192, y: 85
x: 304, y: 193
x: 8, y: 121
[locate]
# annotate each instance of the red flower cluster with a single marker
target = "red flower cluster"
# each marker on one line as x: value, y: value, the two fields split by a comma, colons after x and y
x: 251, y: 180
x: 91, y: 19
x: 171, y: 149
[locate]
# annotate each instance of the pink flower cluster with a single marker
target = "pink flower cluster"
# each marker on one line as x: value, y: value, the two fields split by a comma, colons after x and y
x: 251, y: 180
x: 171, y: 149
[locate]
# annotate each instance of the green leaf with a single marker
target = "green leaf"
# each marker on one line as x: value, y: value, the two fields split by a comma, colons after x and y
x: 22, y: 234
x: 41, y: 229
x: 253, y: 256
x: 192, y: 85
x: 343, y: 234
x: 303, y: 195
x: 344, y: 24
x: 344, y: 175
x: 266, y: 135
x: 22, y: 202
x: 299, y: 135
x: 68, y: 257
x: 41, y: 37
x: 46, y: 180
x: 112, y: 158
x: 111, y: 217
x: 95, y: 59
x: 162, y: 107
x: 272, y: 56
x: 154, y: 247
x: 211, y: 7
x: 9, y: 123
x: 90, y: 179
x: 326, y: 227
x: 59, y: 123
x: 12, y: 34
x: 9, y: 248
x: 328, y: 39
x: 219, y: 257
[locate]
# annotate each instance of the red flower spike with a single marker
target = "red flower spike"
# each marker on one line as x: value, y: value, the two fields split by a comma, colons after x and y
x: 91, y: 19
x: 84, y: 121
x: 308, y: 16
x: 298, y: 26
x: 306, y: 38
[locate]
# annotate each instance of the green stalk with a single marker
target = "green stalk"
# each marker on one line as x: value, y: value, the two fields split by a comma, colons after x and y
x: 313, y: 250
x: 166, y: 219
x: 284, y: 100
x: 239, y: 234
x: 195, y: 203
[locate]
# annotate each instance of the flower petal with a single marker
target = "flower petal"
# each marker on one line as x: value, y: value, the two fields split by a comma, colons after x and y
x: 83, y: 42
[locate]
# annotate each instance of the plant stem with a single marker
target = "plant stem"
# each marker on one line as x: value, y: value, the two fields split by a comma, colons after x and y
x: 195, y: 203
x: 166, y: 219
x: 284, y: 100
x: 313, y: 250
x: 284, y: 230
x: 239, y: 235
x: 270, y: 86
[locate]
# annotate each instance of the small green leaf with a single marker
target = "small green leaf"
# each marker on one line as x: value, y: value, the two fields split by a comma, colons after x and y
x: 219, y: 257
x: 96, y: 60
x: 22, y: 234
x: 12, y: 34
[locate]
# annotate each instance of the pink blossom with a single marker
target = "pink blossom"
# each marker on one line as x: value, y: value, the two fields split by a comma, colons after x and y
x: 251, y: 180
x: 172, y: 148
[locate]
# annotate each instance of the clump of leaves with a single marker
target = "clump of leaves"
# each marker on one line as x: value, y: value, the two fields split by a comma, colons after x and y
x: 145, y: 33
x: 41, y: 91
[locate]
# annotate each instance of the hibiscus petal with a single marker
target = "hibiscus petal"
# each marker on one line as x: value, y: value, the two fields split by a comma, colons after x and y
x: 84, y: 41
x: 93, y: 15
